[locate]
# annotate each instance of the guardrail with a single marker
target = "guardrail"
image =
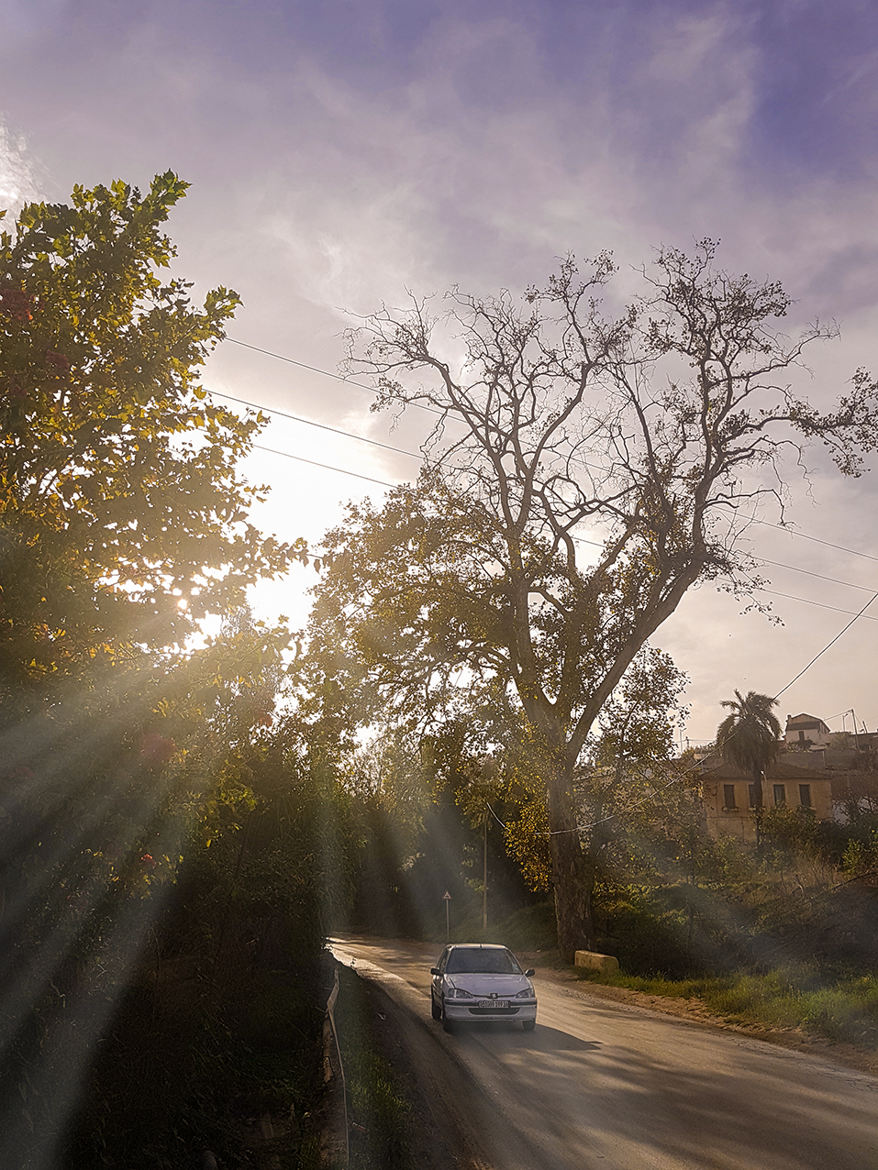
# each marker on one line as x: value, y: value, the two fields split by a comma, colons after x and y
x: 330, y: 1015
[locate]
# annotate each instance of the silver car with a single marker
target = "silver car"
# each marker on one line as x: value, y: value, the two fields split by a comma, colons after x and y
x: 481, y: 981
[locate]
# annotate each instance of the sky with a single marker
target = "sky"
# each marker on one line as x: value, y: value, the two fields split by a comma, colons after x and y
x: 341, y: 153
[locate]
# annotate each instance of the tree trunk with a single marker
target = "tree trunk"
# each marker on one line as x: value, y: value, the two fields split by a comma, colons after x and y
x: 757, y: 790
x: 758, y: 806
x: 573, y: 872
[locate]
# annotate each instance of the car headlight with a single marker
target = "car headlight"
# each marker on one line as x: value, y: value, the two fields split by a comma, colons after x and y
x: 457, y: 993
x: 528, y: 993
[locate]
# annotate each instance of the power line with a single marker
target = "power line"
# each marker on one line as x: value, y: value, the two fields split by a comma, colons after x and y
x: 326, y: 373
x: 325, y: 466
x: 337, y: 431
x: 580, y: 540
x: 419, y: 455
x: 821, y: 604
x: 282, y: 357
x: 368, y: 478
x: 577, y: 539
x: 827, y: 646
x: 679, y: 779
x: 675, y: 779
x: 817, y: 540
x: 431, y: 410
x: 820, y: 576
x: 384, y: 483
x: 320, y: 426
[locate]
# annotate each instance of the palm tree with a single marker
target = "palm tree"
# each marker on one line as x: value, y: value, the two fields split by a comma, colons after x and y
x: 749, y: 737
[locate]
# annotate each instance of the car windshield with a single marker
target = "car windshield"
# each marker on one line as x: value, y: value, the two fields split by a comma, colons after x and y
x: 484, y: 962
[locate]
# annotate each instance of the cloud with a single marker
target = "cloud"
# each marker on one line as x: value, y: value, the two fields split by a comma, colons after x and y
x: 19, y: 173
x: 340, y: 154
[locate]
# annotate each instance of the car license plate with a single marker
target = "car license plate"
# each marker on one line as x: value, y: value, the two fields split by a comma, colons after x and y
x: 494, y: 1004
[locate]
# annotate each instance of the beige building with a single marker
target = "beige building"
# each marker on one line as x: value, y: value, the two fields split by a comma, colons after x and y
x: 728, y: 794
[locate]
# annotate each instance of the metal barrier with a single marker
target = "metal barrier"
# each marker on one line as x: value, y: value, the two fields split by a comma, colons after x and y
x: 330, y: 1015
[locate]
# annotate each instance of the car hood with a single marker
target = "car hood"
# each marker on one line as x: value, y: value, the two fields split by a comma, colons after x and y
x: 488, y: 985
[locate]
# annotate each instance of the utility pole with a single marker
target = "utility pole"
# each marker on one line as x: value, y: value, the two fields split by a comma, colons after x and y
x: 485, y: 870
x: 856, y: 732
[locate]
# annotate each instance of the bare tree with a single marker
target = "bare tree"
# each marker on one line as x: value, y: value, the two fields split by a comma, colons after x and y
x: 585, y: 471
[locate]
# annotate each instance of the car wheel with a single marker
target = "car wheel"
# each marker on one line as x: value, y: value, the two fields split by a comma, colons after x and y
x: 446, y: 1023
x: 528, y: 1025
x: 435, y: 1010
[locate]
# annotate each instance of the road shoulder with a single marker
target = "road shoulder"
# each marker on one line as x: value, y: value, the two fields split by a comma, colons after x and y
x: 695, y: 1011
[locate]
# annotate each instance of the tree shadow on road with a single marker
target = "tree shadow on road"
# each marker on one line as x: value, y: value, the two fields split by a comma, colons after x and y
x: 542, y: 1039
x: 736, y: 1106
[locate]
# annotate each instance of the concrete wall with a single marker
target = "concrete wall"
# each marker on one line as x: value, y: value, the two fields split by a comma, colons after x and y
x: 593, y: 961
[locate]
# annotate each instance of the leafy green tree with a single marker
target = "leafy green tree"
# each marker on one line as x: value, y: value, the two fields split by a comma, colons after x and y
x: 123, y: 518
x: 123, y: 522
x: 586, y: 471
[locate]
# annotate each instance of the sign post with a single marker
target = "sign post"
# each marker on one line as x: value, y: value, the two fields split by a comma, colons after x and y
x: 446, y: 898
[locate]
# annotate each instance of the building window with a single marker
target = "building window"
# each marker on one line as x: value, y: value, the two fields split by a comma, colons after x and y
x: 729, y: 797
x: 805, y: 796
x: 780, y: 795
x: 751, y: 794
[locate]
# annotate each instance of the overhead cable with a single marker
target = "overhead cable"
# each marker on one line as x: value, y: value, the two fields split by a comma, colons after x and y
x: 856, y: 617
x: 817, y: 540
x: 320, y: 426
x: 420, y: 456
x: 326, y: 373
x: 821, y: 604
x: 325, y: 466
x: 419, y: 406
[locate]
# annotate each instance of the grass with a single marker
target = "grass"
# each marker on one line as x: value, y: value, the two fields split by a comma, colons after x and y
x: 839, y: 1007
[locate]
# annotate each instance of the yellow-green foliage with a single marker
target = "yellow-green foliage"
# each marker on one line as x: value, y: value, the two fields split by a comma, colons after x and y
x: 843, y: 1008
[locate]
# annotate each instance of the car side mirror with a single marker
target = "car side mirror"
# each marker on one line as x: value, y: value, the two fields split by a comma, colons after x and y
x: 435, y: 971
x: 529, y: 973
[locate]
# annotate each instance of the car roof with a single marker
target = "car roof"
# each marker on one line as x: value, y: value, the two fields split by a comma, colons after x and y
x: 477, y: 947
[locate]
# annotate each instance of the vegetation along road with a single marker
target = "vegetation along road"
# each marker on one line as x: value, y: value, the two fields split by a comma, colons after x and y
x: 606, y: 1085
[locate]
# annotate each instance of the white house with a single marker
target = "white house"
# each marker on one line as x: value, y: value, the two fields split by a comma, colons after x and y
x: 804, y: 732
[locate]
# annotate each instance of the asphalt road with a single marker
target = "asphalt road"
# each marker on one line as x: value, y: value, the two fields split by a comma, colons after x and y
x: 615, y: 1087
